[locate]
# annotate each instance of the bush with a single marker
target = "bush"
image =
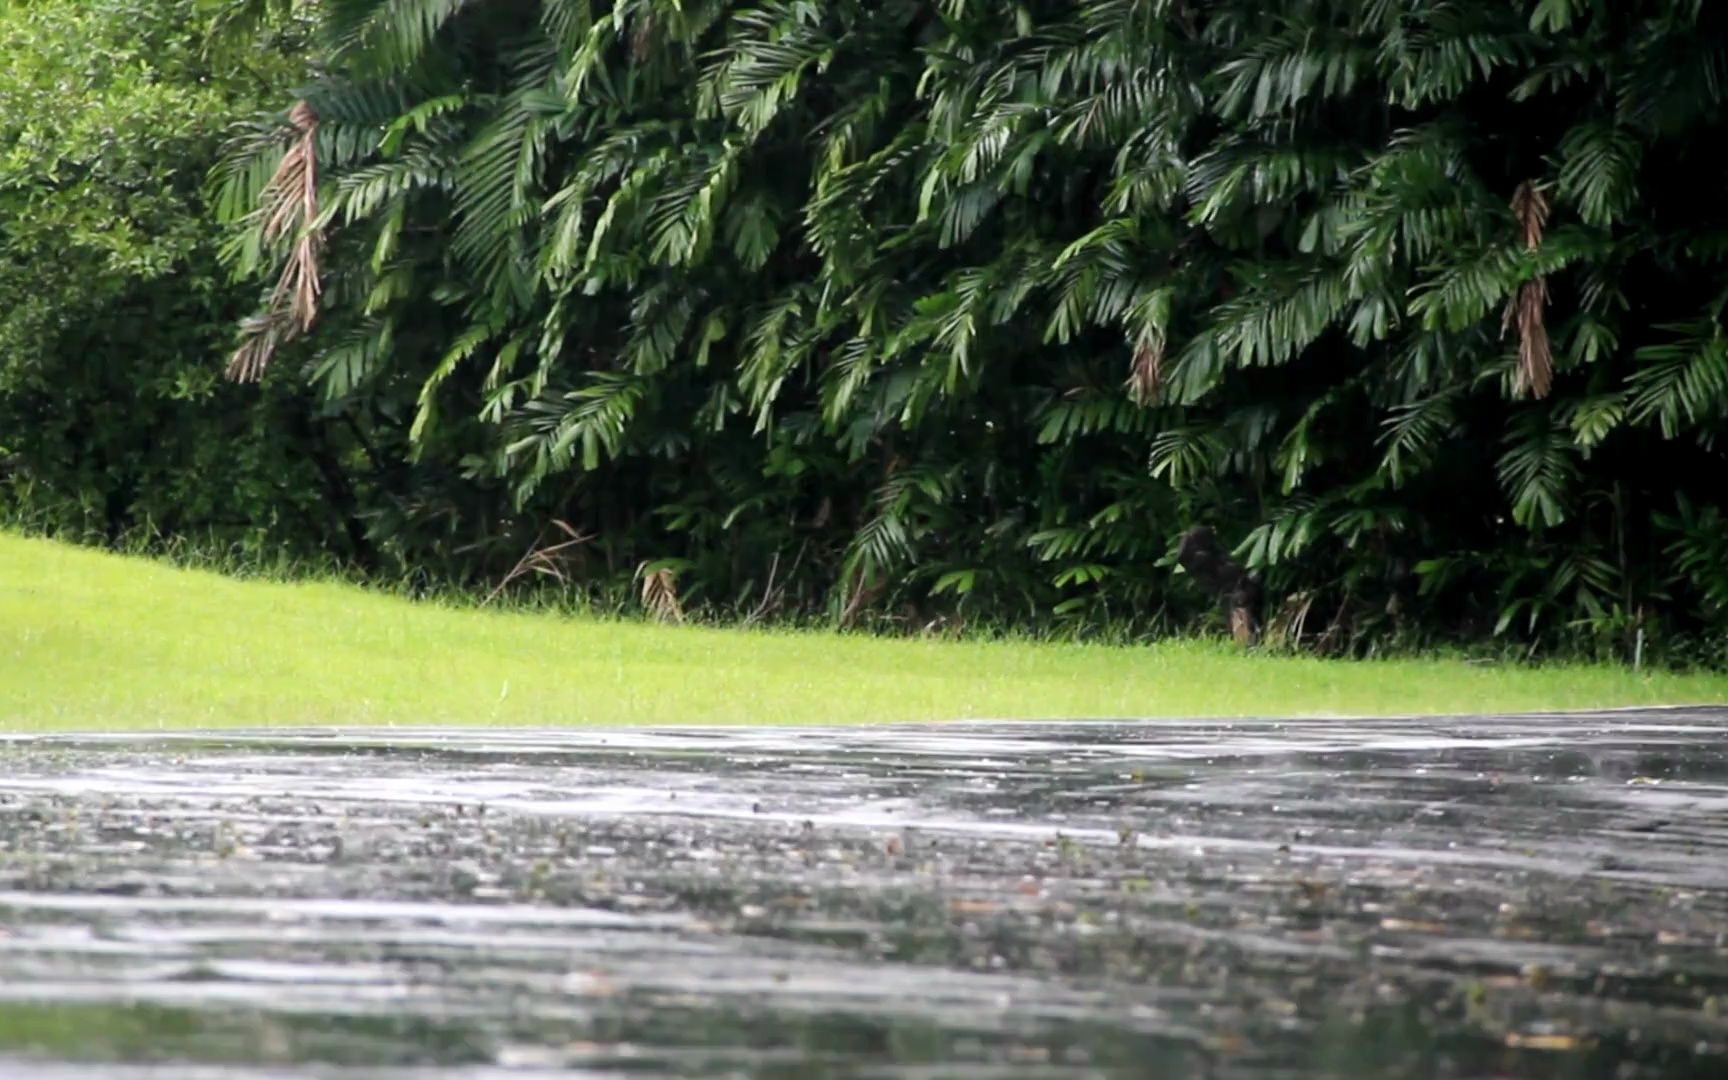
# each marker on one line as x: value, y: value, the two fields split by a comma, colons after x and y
x: 114, y: 420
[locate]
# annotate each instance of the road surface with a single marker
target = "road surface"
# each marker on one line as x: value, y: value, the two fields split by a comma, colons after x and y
x: 1531, y: 896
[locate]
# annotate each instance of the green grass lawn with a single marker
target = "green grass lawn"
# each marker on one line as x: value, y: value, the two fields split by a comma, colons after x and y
x: 94, y: 640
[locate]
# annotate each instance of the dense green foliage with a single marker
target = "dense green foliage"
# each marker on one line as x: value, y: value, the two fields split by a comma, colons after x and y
x: 899, y: 309
x: 114, y: 418
x: 921, y: 304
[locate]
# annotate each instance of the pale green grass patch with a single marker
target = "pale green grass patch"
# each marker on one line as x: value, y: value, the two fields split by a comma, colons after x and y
x: 90, y: 640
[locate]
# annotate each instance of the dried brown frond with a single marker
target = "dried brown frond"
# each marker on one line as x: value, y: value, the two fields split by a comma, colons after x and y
x: 1146, y: 376
x: 1530, y: 207
x: 1527, y: 307
x: 1287, y: 627
x: 288, y: 206
x: 542, y: 557
x: 1243, y: 626
x: 660, y: 594
x: 259, y: 337
x: 299, y: 173
x: 1535, y: 355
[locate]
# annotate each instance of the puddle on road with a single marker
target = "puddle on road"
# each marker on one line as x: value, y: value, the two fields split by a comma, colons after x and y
x: 1529, y: 896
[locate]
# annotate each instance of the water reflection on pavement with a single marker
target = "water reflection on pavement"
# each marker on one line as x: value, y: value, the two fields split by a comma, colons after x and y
x: 1534, y: 895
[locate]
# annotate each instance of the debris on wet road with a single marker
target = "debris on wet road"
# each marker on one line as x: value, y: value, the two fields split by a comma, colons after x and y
x: 1534, y: 895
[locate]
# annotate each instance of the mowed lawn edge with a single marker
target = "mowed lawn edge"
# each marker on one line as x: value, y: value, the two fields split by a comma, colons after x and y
x: 91, y: 640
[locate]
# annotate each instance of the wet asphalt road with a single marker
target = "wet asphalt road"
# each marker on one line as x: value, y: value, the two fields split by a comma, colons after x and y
x: 1526, y: 896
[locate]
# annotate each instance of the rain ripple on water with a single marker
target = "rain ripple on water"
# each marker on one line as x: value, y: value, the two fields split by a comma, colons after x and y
x: 1534, y: 895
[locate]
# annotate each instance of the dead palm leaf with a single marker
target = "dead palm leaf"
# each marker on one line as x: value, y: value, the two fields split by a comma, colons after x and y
x: 660, y: 594
x: 1530, y: 207
x: 1526, y: 308
x: 1287, y: 627
x: 1535, y: 354
x: 542, y: 557
x: 1146, y: 376
x: 289, y: 207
